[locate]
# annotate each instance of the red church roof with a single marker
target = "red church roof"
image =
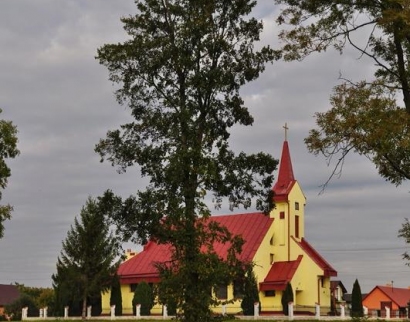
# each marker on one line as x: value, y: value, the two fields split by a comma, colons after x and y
x: 280, y: 274
x: 251, y: 226
x: 286, y: 179
x: 316, y: 257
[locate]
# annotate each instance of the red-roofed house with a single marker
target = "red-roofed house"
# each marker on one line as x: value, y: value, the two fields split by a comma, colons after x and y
x: 396, y: 299
x: 8, y: 294
x: 276, y: 244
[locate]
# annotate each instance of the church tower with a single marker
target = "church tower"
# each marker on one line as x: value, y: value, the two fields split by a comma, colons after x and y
x: 288, y: 214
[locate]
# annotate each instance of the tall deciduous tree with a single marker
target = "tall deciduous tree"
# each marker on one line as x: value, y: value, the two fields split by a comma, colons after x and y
x: 8, y: 150
x: 180, y: 73
x: 364, y: 113
x: 88, y: 260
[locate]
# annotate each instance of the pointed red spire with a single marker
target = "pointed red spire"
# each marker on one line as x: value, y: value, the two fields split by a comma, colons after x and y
x: 285, y: 176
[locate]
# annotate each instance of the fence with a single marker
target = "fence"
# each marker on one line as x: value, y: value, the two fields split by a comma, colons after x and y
x: 295, y: 313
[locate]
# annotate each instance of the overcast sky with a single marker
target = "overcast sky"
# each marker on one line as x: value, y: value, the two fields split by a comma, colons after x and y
x: 60, y: 99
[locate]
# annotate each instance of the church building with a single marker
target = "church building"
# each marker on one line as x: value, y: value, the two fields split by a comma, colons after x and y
x: 276, y: 244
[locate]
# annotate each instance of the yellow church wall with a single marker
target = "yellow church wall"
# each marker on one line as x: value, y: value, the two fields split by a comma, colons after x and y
x: 126, y: 295
x: 105, y: 302
x: 310, y: 286
x: 284, y: 227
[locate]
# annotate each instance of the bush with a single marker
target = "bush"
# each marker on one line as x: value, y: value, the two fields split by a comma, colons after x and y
x: 287, y: 297
x: 144, y: 296
x: 251, y: 294
x: 116, y: 297
x: 14, y: 309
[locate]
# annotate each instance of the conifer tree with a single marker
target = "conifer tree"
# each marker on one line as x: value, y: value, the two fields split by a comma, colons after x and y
x: 144, y: 296
x: 250, y: 293
x: 180, y: 72
x: 357, y: 306
x: 116, y: 296
x: 287, y: 297
x: 88, y: 260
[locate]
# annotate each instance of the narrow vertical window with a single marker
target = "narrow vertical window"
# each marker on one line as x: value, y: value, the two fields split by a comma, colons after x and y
x: 297, y: 226
x: 296, y: 205
x: 282, y: 215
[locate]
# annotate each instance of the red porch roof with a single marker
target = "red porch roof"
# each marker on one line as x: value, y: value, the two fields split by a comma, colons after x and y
x: 328, y: 270
x: 280, y: 274
x: 251, y: 226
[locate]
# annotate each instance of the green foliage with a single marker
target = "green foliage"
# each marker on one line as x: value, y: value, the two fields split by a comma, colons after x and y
x: 251, y: 293
x: 366, y: 117
x: 42, y: 297
x: 115, y: 296
x: 8, y: 150
x: 144, y: 296
x: 357, y: 306
x: 287, y: 297
x: 180, y: 73
x: 404, y: 232
x: 88, y: 260
x: 14, y: 309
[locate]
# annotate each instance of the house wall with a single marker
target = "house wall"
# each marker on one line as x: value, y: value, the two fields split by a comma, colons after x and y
x: 373, y: 299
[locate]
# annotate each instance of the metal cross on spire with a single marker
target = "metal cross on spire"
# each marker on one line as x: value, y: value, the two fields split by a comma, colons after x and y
x: 286, y: 131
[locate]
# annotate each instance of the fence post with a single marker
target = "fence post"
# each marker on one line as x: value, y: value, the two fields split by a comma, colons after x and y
x: 66, y: 312
x: 138, y: 310
x: 256, y: 309
x: 290, y: 310
x: 45, y: 311
x: 317, y: 308
x: 164, y: 311
x: 40, y: 313
x: 88, y: 312
x: 342, y: 311
x: 387, y: 313
x: 365, y: 311
x: 112, y: 312
x: 24, y: 313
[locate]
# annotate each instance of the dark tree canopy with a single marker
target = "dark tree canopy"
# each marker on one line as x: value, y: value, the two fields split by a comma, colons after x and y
x: 180, y: 73
x: 88, y: 260
x: 378, y: 30
x: 8, y: 150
